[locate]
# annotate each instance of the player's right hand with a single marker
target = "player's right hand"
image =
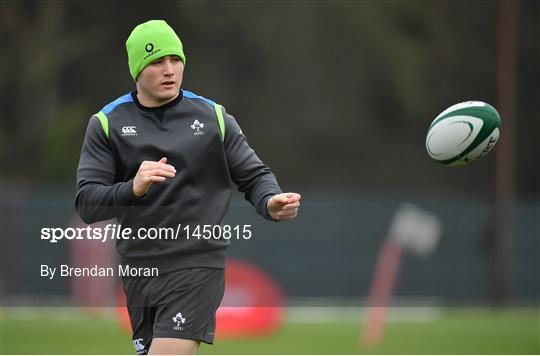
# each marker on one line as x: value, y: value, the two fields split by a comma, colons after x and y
x: 151, y: 172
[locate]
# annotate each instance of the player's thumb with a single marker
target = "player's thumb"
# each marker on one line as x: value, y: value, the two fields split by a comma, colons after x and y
x: 293, y: 197
x: 163, y: 160
x: 281, y: 199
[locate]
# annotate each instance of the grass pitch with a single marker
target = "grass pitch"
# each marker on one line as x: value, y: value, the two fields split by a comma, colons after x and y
x: 453, y: 331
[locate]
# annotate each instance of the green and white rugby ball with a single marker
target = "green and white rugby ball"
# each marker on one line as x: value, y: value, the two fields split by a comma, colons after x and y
x: 463, y: 133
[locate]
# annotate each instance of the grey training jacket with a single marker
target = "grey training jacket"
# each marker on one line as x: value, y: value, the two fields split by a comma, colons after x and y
x: 208, y: 159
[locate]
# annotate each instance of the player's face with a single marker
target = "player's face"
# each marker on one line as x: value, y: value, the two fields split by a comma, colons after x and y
x: 160, y: 81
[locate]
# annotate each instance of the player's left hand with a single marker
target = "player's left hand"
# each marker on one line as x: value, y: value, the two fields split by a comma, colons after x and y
x: 283, y: 207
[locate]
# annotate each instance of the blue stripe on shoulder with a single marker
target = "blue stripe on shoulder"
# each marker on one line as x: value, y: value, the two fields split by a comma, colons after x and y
x: 191, y: 95
x: 121, y: 100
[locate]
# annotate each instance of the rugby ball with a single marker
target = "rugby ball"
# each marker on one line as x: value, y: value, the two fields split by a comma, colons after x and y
x: 463, y: 133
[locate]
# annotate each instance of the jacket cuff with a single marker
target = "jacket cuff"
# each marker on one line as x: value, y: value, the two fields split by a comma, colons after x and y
x: 125, y: 195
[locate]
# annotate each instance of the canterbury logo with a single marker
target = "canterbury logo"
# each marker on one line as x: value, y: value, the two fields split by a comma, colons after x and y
x: 129, y: 131
x: 139, y: 347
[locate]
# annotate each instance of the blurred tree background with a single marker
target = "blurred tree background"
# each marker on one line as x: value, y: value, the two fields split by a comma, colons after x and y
x: 335, y: 96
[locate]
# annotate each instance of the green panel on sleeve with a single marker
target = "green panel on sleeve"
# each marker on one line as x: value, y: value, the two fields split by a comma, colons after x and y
x: 221, y: 122
x: 104, y: 122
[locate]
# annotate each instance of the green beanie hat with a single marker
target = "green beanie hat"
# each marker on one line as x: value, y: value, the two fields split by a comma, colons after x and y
x: 149, y: 41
